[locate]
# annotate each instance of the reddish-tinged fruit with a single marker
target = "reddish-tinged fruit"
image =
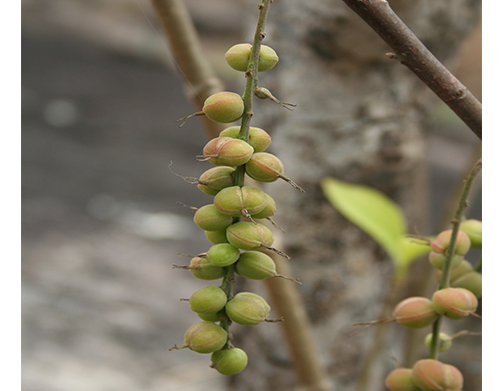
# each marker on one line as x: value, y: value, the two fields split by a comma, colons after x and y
x: 258, y: 138
x: 249, y: 236
x: 205, y: 337
x: 217, y: 178
x: 247, y: 309
x: 264, y: 167
x: 201, y: 268
x: 268, y: 211
x: 415, y: 312
x: 400, y: 380
x: 441, y: 243
x: 237, y: 201
x: 223, y: 107
x: 432, y: 375
x: 227, y: 151
x: 454, y: 303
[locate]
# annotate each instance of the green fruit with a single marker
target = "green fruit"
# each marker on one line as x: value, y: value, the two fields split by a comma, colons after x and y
x: 229, y: 361
x: 444, y: 341
x: 474, y: 230
x: 208, y: 300
x: 205, y: 337
x: 255, y: 265
x: 264, y: 167
x: 227, y: 151
x: 432, y: 375
x: 223, y: 254
x: 238, y: 56
x: 208, y: 218
x: 210, y: 317
x: 247, y: 310
x: 216, y: 179
x: 258, y: 138
x: 454, y: 303
x: 249, y: 236
x: 400, y: 380
x: 216, y: 237
x: 201, y: 268
x: 224, y: 107
x: 438, y: 260
x: 237, y: 201
x: 415, y: 312
x: 442, y: 241
x: 268, y: 211
x: 472, y: 281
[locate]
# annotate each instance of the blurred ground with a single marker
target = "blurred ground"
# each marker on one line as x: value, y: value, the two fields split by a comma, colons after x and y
x: 100, y: 218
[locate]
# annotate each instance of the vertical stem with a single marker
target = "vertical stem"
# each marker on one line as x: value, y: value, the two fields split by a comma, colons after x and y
x: 445, y: 276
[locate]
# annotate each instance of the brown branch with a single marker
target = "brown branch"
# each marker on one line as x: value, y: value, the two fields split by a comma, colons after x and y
x: 415, y: 56
x: 189, y: 57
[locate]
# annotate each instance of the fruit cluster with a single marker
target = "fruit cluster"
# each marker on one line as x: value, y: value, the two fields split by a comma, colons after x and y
x: 230, y: 223
x: 454, y: 302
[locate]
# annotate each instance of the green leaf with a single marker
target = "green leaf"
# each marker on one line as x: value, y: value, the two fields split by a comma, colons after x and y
x: 373, y: 212
x: 411, y: 249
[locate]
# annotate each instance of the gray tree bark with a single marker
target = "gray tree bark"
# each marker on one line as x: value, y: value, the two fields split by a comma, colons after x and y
x: 360, y: 118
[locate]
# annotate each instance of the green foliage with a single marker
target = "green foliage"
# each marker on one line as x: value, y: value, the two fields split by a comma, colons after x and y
x: 378, y: 216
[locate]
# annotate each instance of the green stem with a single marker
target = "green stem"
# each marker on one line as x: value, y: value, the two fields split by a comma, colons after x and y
x: 445, y: 276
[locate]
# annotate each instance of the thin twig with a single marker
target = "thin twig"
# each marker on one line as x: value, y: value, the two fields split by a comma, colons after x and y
x: 412, y: 53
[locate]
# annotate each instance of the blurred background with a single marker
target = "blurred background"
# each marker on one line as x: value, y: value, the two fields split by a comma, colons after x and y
x: 101, y: 220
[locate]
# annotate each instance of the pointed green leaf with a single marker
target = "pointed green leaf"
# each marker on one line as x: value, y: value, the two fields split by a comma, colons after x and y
x: 411, y: 249
x: 370, y: 210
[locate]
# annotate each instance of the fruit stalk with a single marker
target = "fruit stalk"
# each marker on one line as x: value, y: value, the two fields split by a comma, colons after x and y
x: 445, y: 276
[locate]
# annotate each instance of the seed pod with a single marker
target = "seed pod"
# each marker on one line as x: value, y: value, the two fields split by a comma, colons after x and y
x: 216, y: 237
x: 258, y: 138
x: 205, y: 337
x: 224, y: 107
x: 268, y: 211
x: 201, y: 268
x: 441, y: 243
x: 264, y: 167
x: 237, y: 201
x: 227, y: 151
x: 210, y: 317
x: 438, y: 260
x: 472, y: 281
x: 255, y: 265
x: 208, y: 300
x: 238, y: 56
x: 474, y: 230
x: 247, y: 310
x: 223, y: 254
x: 400, y: 380
x: 208, y: 218
x: 415, y: 312
x: 432, y: 375
x: 444, y: 341
x: 462, y: 269
x: 217, y: 178
x: 229, y: 361
x: 454, y: 303
x: 249, y: 236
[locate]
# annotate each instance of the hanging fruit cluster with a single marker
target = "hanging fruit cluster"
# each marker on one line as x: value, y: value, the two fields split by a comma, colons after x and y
x: 456, y: 300
x: 231, y: 221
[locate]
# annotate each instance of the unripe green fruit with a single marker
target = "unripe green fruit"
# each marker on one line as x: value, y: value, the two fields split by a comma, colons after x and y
x: 472, y: 281
x: 217, y: 178
x: 208, y: 300
x: 237, y: 201
x: 474, y: 230
x: 227, y: 151
x: 216, y: 237
x: 438, y: 260
x: 238, y: 56
x: 441, y: 243
x: 264, y: 167
x: 224, y: 107
x: 268, y: 211
x: 249, y: 236
x: 208, y: 218
x: 247, y: 310
x: 444, y: 343
x: 229, y: 361
x: 255, y: 265
x: 223, y: 254
x: 210, y: 317
x: 432, y: 375
x: 201, y: 268
x: 400, y: 380
x: 462, y: 269
x: 415, y: 312
x: 205, y: 337
x: 454, y: 303
x: 258, y: 138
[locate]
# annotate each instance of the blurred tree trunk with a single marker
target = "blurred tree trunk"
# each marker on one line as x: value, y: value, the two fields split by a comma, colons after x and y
x: 360, y: 118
